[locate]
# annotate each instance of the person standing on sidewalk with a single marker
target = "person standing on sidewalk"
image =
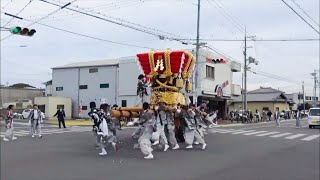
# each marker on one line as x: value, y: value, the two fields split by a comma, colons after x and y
x: 9, y: 124
x: 35, y: 121
x: 61, y: 115
x: 298, y: 118
x: 277, y: 117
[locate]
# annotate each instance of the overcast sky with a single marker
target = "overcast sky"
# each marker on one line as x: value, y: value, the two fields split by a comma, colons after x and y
x: 220, y: 19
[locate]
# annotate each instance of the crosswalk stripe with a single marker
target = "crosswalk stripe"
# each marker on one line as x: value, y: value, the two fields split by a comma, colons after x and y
x: 49, y: 131
x: 280, y: 135
x: 295, y: 136
x: 266, y: 134
x: 257, y: 132
x: 309, y: 138
x: 222, y: 130
x: 241, y: 132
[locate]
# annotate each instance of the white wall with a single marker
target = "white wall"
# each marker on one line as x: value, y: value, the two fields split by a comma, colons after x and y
x: 105, y: 74
x: 222, y: 73
x: 68, y: 79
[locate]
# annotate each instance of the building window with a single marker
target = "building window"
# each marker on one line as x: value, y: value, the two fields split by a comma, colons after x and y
x: 210, y: 72
x: 265, y: 108
x: 93, y: 70
x: 104, y: 85
x: 83, y: 87
x: 59, y: 88
x: 84, y: 107
x: 60, y: 105
x: 124, y: 103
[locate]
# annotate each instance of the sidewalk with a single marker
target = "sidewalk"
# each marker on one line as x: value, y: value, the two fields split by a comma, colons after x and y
x: 71, y: 122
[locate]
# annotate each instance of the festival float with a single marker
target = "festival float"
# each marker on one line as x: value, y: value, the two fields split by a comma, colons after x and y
x: 170, y: 74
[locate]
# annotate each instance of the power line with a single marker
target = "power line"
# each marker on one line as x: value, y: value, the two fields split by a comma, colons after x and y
x: 18, y: 12
x: 231, y: 16
x: 255, y: 70
x: 228, y: 18
x: 113, y: 7
x: 161, y: 36
x: 301, y: 17
x: 271, y: 40
x: 305, y: 12
x: 87, y: 36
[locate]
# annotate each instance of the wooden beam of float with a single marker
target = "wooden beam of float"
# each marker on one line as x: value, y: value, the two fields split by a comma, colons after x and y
x: 133, y: 112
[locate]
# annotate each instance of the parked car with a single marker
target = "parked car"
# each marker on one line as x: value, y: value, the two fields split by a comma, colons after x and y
x: 314, y: 117
x: 26, y: 113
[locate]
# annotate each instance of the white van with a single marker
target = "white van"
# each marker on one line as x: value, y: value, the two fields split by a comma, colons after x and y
x: 314, y: 117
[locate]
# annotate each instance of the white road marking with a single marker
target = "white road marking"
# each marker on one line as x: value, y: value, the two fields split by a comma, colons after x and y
x: 280, y: 135
x: 295, y: 136
x: 257, y: 132
x: 266, y: 134
x: 309, y: 138
x: 242, y: 131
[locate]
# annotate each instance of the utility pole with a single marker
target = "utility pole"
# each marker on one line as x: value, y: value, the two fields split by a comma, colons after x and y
x: 195, y: 95
x: 304, y: 106
x: 314, y: 88
x: 242, y: 93
x: 245, y: 70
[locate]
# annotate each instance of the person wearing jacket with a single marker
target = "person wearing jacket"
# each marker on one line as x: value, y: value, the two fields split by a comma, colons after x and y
x: 170, y: 127
x: 61, y: 115
x: 106, y: 130
x: 191, y: 131
x: 277, y: 117
x: 93, y: 114
x: 35, y: 121
x: 298, y: 118
x: 161, y: 122
x: 146, y: 121
x: 9, y: 124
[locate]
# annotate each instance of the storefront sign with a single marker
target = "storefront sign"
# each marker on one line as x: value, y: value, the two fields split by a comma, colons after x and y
x: 219, y: 88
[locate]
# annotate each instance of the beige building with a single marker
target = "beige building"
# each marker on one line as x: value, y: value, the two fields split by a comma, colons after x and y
x: 263, y: 99
x: 49, y: 105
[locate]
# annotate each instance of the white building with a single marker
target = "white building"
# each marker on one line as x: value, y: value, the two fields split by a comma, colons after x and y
x: 115, y: 80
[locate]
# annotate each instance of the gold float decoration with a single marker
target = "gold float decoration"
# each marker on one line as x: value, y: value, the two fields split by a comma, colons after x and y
x: 152, y: 65
x: 167, y: 61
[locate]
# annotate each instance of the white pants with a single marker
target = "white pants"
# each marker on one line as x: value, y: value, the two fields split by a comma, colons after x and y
x: 9, y: 133
x: 190, y: 134
x: 160, y: 134
x: 35, y: 127
x: 172, y: 135
x: 278, y: 122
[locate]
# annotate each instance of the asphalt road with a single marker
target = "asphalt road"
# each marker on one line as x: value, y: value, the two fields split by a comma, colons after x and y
x: 250, y: 152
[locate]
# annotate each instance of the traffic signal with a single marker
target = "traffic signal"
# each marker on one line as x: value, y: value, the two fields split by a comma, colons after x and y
x: 22, y: 31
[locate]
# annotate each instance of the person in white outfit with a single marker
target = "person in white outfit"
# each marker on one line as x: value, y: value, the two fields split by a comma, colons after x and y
x: 298, y: 118
x: 106, y: 130
x: 161, y: 122
x: 9, y: 124
x: 191, y: 131
x: 147, y: 123
x: 35, y: 121
x: 277, y: 117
